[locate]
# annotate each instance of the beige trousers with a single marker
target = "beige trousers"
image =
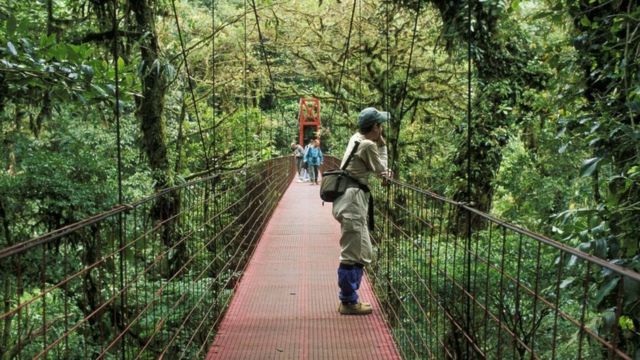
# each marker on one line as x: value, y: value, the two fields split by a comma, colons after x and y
x: 351, y: 211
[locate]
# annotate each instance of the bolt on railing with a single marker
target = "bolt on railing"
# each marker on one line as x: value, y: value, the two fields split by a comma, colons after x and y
x: 80, y: 293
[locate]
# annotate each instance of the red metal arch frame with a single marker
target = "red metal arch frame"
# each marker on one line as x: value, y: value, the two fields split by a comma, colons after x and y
x: 309, y: 118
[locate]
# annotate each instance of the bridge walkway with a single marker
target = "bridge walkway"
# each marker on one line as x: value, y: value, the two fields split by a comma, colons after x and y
x: 285, y: 306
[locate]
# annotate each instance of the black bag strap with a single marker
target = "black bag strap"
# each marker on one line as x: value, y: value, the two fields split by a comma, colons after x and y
x: 353, y: 152
x: 361, y: 186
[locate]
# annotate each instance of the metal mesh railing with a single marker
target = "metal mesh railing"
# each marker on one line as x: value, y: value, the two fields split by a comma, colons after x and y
x: 146, y: 280
x: 496, y: 292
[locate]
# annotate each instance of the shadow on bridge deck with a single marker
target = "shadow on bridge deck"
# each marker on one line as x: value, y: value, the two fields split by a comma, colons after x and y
x: 285, y: 306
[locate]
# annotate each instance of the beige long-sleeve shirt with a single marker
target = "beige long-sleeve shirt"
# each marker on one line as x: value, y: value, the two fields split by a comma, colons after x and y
x: 366, y: 159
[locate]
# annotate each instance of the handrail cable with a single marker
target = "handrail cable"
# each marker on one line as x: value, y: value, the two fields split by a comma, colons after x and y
x: 344, y: 61
x: 203, y: 272
x: 157, y: 260
x: 262, y: 183
x: 211, y: 329
x: 193, y: 96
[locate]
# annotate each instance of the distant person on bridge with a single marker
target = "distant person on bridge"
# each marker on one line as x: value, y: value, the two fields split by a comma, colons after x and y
x: 354, y: 209
x: 298, y: 152
x: 313, y: 158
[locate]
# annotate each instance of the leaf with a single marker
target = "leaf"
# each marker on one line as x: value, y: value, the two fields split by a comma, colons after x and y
x: 12, y: 49
x: 72, y: 54
x: 87, y: 70
x: 563, y: 148
x: 600, y: 228
x: 626, y: 323
x: 585, y: 246
x: 542, y: 15
x: 601, y: 248
x: 631, y: 291
x: 26, y: 45
x: 605, y: 290
x: 566, y: 282
x: 11, y: 26
x: 99, y: 90
x: 589, y: 166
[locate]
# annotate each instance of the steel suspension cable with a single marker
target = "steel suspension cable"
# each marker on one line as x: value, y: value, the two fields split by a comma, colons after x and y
x: 213, y: 74
x: 405, y: 85
x: 213, y: 184
x: 213, y: 121
x: 262, y: 49
x: 246, y: 93
x: 360, y: 102
x: 469, y: 173
x: 116, y: 110
x: 387, y: 205
x: 205, y: 148
x: 264, y: 55
x: 189, y: 82
x: 344, y: 60
x: 469, y: 129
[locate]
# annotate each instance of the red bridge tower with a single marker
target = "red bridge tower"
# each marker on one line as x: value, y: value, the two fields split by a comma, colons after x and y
x: 309, y: 118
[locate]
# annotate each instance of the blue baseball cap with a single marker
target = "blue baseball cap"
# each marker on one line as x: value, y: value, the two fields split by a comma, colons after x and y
x: 370, y: 116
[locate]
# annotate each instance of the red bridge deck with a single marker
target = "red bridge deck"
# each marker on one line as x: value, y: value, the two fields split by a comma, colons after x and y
x: 285, y: 306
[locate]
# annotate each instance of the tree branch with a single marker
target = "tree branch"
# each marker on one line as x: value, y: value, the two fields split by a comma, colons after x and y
x: 105, y: 36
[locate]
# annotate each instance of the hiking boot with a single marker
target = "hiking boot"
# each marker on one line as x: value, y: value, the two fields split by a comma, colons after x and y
x: 355, y: 309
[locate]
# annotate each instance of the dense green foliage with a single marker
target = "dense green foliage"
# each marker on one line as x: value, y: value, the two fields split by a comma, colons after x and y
x: 555, y: 103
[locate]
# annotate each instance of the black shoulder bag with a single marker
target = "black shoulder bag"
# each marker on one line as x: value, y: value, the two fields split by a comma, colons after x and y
x: 336, y: 181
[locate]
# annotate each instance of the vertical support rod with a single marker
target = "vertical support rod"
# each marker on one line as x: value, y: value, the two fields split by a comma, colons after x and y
x: 469, y: 214
x: 116, y: 112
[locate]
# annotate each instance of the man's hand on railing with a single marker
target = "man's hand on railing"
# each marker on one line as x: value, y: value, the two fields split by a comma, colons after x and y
x: 386, y: 175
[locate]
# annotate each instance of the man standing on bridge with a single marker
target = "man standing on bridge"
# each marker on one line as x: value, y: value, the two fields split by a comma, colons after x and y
x: 354, y: 209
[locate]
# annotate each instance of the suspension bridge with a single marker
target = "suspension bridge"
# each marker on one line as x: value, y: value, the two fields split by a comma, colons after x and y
x: 242, y: 266
x: 246, y: 270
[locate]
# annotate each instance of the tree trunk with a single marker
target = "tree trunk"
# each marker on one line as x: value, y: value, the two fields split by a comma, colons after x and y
x: 150, y: 113
x: 151, y: 103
